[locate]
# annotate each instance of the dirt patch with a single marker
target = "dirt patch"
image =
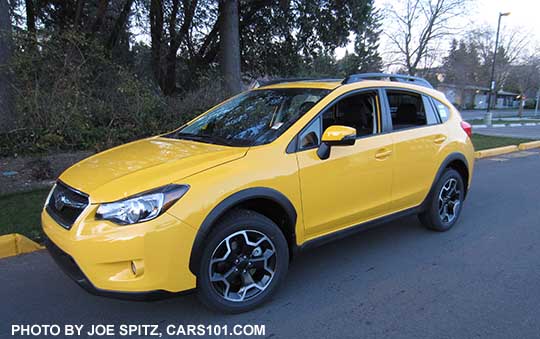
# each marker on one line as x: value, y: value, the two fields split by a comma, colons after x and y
x: 26, y: 173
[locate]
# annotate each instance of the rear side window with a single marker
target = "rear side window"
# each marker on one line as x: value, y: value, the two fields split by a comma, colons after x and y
x: 407, y: 109
x: 431, y: 115
x: 442, y: 109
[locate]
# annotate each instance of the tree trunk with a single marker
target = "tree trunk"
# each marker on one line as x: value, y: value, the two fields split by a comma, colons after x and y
x: 120, y: 24
x: 102, y: 9
x: 7, y: 120
x: 169, y: 78
x: 230, y: 45
x: 156, y: 34
x: 31, y: 20
x: 78, y: 13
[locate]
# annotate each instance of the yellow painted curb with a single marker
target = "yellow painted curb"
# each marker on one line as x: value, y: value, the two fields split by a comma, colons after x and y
x: 495, y: 151
x: 15, y: 244
x: 529, y: 145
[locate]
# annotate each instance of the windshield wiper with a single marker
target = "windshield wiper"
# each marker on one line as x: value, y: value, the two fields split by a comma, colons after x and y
x: 205, y: 138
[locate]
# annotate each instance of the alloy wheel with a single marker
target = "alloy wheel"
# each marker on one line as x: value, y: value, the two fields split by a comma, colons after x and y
x: 449, y: 201
x: 243, y: 265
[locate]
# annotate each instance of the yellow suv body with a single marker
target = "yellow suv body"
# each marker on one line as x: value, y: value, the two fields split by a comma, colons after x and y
x: 225, y: 201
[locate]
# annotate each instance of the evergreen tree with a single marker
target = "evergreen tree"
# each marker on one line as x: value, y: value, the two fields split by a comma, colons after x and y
x: 461, y: 65
x: 367, y: 27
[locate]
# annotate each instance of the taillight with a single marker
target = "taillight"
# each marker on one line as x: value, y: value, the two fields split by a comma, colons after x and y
x: 467, y: 128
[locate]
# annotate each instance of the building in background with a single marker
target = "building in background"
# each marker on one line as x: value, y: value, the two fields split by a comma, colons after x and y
x: 475, y: 97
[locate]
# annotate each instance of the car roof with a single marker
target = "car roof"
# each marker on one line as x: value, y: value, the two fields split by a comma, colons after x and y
x: 324, y: 84
x: 332, y: 84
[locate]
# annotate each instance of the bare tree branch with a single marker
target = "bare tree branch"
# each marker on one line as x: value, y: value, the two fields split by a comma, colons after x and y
x: 419, y: 24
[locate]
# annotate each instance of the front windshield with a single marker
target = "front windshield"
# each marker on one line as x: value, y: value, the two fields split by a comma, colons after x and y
x: 252, y: 118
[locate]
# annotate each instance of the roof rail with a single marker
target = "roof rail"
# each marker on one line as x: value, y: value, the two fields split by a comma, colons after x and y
x: 387, y: 76
x: 283, y: 80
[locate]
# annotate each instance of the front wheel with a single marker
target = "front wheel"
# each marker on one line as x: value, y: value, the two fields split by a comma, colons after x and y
x: 245, y: 259
x: 445, y: 203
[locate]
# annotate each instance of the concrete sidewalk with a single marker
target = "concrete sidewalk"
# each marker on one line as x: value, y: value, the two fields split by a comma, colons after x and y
x: 479, y: 114
x: 526, y: 132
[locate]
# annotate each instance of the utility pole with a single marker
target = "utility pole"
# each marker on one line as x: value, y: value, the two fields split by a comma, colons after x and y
x: 488, y: 117
x: 537, y: 99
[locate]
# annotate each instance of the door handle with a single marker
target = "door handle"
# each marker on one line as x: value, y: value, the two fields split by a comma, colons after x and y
x: 440, y: 139
x: 383, y: 154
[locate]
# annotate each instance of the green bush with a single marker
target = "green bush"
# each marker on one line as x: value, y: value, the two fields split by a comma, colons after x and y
x: 530, y: 103
x: 71, y: 95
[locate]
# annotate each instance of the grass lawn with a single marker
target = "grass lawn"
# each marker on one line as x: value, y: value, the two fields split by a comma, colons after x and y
x: 481, y: 142
x: 20, y: 213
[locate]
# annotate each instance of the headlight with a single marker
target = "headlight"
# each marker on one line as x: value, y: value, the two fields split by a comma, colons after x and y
x: 49, y: 196
x: 141, y: 207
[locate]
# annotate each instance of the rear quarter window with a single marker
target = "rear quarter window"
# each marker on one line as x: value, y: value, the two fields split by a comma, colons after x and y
x: 442, y: 110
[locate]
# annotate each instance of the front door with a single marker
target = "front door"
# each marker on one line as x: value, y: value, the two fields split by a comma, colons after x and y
x: 354, y: 184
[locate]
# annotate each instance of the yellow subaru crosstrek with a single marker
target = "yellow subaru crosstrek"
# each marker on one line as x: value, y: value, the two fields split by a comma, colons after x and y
x: 223, y: 203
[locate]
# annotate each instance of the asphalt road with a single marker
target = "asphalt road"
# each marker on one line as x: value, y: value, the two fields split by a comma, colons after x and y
x: 481, y: 279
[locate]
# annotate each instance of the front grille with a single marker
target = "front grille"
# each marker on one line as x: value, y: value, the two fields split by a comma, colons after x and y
x: 66, y: 204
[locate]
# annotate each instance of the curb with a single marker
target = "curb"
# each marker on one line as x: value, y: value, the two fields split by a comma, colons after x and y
x: 495, y: 151
x: 529, y: 145
x: 14, y: 244
x: 506, y: 149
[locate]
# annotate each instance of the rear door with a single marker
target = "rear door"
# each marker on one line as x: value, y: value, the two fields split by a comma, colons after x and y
x: 418, y: 138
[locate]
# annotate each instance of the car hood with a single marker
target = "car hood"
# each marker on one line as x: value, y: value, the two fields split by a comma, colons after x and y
x: 143, y: 165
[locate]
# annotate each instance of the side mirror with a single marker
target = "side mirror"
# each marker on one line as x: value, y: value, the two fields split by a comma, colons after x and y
x: 336, y: 136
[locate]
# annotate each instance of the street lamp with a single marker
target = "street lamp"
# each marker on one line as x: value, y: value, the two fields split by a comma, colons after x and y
x: 489, y: 116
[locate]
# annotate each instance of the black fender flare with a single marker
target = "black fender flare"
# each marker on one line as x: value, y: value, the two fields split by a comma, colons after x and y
x: 226, y: 205
x: 450, y: 158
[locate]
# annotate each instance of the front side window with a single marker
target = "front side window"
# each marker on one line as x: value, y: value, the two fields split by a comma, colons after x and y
x: 359, y: 111
x: 252, y: 118
x: 310, y: 135
x: 407, y: 109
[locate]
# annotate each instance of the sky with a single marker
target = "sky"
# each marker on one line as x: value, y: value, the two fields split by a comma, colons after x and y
x: 524, y: 13
x: 525, y: 16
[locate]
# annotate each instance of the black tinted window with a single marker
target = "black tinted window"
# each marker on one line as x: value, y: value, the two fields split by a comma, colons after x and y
x: 407, y: 109
x: 358, y: 111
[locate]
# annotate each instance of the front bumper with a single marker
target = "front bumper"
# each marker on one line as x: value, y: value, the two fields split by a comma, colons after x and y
x: 99, y: 255
x: 70, y: 268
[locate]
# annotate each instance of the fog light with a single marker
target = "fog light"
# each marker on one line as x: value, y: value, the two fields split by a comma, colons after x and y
x: 137, y: 267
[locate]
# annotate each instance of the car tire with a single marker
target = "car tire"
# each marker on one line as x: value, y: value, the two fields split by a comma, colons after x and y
x: 445, y: 202
x: 243, y: 262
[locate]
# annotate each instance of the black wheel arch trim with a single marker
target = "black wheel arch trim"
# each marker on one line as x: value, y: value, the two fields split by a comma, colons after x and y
x: 449, y: 159
x: 229, y: 203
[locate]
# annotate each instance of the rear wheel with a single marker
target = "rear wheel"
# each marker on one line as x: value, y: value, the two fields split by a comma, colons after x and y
x: 445, y: 203
x: 244, y: 261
